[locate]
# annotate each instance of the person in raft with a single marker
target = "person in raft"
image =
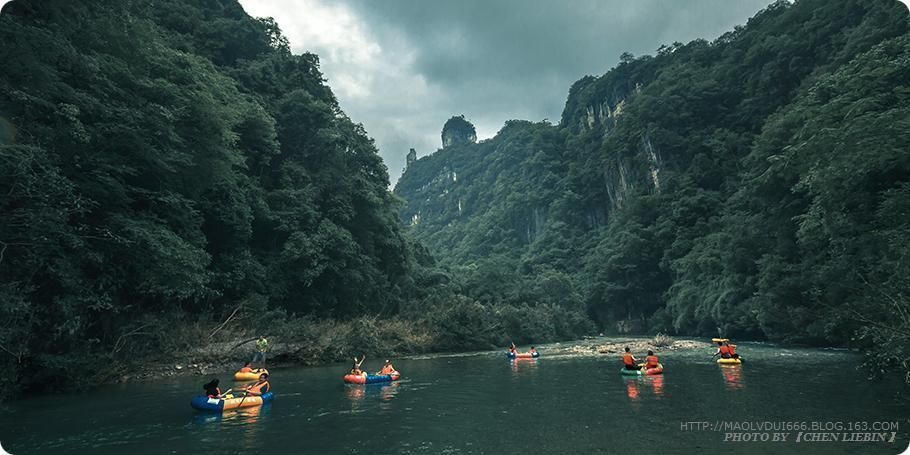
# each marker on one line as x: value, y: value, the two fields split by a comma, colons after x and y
x: 262, y: 345
x: 726, y: 350
x: 211, y: 389
x: 248, y: 368
x: 512, y: 349
x: 651, y: 360
x: 355, y: 369
x: 261, y: 386
x: 387, y: 368
x: 629, y: 361
x: 533, y: 350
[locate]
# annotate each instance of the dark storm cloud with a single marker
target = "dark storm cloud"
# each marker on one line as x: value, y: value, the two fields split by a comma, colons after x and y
x: 490, y: 60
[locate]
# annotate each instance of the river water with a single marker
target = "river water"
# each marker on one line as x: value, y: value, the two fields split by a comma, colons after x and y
x: 481, y: 403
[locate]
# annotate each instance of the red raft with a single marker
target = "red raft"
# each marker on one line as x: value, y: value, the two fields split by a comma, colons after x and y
x: 659, y: 369
x: 371, y: 378
x: 523, y: 355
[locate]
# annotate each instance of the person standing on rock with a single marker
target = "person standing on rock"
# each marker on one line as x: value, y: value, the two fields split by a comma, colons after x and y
x: 262, y: 345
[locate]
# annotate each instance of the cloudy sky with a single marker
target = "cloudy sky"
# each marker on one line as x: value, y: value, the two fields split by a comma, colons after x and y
x: 403, y: 67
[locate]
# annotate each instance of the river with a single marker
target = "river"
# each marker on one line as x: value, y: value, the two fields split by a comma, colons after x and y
x: 481, y: 403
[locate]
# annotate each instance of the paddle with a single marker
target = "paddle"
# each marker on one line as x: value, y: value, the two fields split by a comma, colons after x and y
x: 245, y: 393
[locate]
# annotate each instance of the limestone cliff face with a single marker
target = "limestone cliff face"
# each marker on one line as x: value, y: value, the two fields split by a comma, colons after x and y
x: 473, y: 188
x: 514, y: 188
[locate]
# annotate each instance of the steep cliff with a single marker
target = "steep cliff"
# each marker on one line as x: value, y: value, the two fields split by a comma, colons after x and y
x: 634, y: 198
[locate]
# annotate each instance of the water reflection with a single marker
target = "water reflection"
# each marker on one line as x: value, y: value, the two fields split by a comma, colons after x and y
x: 636, y: 385
x: 657, y: 384
x: 733, y: 377
x: 632, y: 388
x: 385, y: 392
x: 249, y: 422
x: 523, y: 365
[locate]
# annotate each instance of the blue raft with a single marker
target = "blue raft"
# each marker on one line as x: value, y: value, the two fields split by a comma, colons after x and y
x: 204, y: 403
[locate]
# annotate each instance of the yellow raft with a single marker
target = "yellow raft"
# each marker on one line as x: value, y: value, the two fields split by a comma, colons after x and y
x: 729, y: 361
x: 204, y: 403
x: 251, y: 376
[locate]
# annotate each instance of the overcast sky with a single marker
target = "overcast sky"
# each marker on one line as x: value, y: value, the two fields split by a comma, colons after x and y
x: 402, y: 68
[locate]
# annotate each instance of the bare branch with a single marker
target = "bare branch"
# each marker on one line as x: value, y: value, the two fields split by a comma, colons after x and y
x: 226, y: 321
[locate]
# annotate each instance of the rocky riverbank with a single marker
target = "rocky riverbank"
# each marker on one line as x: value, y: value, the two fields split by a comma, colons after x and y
x: 597, y: 346
x: 225, y: 357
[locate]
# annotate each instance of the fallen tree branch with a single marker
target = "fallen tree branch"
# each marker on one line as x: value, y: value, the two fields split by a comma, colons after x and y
x: 226, y: 321
x: 121, y: 340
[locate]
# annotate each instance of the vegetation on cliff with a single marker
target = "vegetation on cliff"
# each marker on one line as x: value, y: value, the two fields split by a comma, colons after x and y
x: 754, y: 186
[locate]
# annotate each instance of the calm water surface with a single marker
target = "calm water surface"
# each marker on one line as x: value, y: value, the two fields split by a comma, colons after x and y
x: 481, y: 403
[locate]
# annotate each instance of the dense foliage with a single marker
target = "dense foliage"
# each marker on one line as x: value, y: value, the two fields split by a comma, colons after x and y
x: 755, y: 186
x: 167, y: 163
x: 172, y: 175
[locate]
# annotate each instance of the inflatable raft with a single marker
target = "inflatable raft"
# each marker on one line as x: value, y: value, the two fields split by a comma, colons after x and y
x: 627, y: 372
x: 522, y: 355
x: 730, y: 361
x: 371, y: 378
x: 204, y: 403
x: 652, y: 371
x: 251, y: 376
x: 644, y: 371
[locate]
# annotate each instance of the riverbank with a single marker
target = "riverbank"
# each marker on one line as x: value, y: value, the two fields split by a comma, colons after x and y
x: 225, y: 357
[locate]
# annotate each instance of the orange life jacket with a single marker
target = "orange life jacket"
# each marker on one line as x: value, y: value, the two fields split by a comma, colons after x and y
x: 651, y: 361
x: 627, y: 359
x: 732, y: 348
x: 388, y: 369
x: 724, y: 350
x: 260, y: 387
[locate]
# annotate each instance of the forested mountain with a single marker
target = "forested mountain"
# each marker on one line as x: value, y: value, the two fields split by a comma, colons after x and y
x: 174, y: 181
x: 755, y: 186
x: 164, y: 162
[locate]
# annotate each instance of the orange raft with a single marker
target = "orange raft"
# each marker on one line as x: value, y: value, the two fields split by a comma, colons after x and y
x: 249, y: 376
x: 371, y: 378
x: 659, y: 369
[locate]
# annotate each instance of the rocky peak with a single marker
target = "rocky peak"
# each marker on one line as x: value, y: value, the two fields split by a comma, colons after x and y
x: 457, y: 130
x: 410, y: 159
